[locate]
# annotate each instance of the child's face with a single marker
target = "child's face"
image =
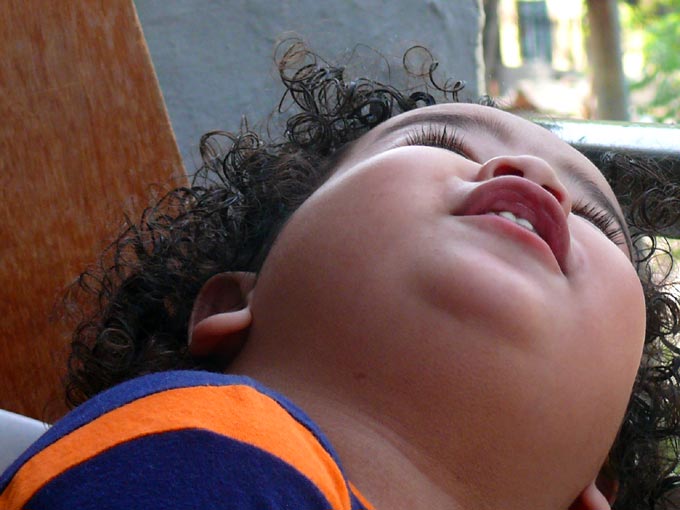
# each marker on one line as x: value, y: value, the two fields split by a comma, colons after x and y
x: 393, y: 286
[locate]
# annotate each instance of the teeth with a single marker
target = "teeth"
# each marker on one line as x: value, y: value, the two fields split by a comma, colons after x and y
x: 526, y: 224
x: 520, y: 221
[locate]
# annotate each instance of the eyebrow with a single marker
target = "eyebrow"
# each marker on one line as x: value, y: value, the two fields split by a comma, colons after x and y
x: 492, y: 126
x: 498, y: 129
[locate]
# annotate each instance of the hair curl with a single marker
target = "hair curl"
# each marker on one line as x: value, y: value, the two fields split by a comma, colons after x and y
x: 135, y: 305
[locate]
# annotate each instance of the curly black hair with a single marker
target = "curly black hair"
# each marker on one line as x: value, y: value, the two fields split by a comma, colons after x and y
x: 134, y: 307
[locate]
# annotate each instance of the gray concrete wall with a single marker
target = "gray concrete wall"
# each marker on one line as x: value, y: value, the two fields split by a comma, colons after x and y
x: 214, y: 58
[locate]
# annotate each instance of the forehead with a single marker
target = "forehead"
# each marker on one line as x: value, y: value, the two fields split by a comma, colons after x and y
x: 485, y: 133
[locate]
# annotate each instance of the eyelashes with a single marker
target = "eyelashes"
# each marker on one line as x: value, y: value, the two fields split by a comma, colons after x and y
x: 438, y: 136
x: 602, y: 220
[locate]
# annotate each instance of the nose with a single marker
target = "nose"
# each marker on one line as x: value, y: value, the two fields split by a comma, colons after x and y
x: 529, y: 167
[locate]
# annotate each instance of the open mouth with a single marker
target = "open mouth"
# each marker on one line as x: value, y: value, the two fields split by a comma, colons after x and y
x: 522, y: 222
x: 527, y: 205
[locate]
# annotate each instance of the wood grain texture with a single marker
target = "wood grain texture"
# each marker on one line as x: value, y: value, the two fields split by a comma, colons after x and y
x: 83, y: 134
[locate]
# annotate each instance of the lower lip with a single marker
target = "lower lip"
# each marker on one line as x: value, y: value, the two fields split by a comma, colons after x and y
x: 499, y: 225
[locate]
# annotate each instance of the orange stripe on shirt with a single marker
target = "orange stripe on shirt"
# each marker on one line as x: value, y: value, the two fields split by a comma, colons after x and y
x: 361, y: 497
x: 236, y: 411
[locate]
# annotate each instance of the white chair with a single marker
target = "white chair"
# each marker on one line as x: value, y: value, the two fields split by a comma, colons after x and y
x: 17, y: 432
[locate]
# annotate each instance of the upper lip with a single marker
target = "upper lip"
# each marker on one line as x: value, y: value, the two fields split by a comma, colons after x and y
x: 525, y: 199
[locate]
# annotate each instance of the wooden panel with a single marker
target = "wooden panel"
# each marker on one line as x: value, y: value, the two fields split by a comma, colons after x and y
x: 83, y: 133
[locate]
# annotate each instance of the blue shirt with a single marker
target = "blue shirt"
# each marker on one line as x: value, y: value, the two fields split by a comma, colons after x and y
x: 183, y: 439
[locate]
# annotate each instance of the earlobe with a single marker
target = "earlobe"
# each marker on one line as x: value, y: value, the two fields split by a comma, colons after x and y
x: 221, y: 317
x: 591, y: 498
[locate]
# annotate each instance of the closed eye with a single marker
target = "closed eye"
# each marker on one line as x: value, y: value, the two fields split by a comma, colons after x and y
x: 604, y: 221
x: 439, y: 136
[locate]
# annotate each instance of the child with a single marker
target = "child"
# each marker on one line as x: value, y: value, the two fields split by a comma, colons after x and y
x: 453, y: 296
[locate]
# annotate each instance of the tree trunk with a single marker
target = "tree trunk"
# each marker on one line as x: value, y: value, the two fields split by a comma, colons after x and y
x: 604, y: 48
x: 491, y: 42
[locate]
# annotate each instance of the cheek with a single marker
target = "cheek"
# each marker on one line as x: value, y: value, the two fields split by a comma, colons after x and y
x: 613, y: 313
x: 612, y: 289
x: 340, y: 267
x: 593, y: 369
x: 340, y: 252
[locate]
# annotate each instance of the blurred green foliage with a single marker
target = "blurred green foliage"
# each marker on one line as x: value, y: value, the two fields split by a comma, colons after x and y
x: 659, y: 21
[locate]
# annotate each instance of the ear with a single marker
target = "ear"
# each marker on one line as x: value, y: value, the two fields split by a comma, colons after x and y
x: 220, y: 319
x: 592, y: 498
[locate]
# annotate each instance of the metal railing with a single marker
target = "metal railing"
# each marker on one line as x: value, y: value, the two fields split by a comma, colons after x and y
x: 659, y: 142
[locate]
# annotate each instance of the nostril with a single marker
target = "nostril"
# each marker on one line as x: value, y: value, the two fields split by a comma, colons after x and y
x: 556, y: 193
x: 507, y: 170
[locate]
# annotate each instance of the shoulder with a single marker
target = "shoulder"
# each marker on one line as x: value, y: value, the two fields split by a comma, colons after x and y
x: 174, y: 439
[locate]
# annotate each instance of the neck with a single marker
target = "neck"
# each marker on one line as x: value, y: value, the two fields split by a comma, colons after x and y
x: 388, y: 470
